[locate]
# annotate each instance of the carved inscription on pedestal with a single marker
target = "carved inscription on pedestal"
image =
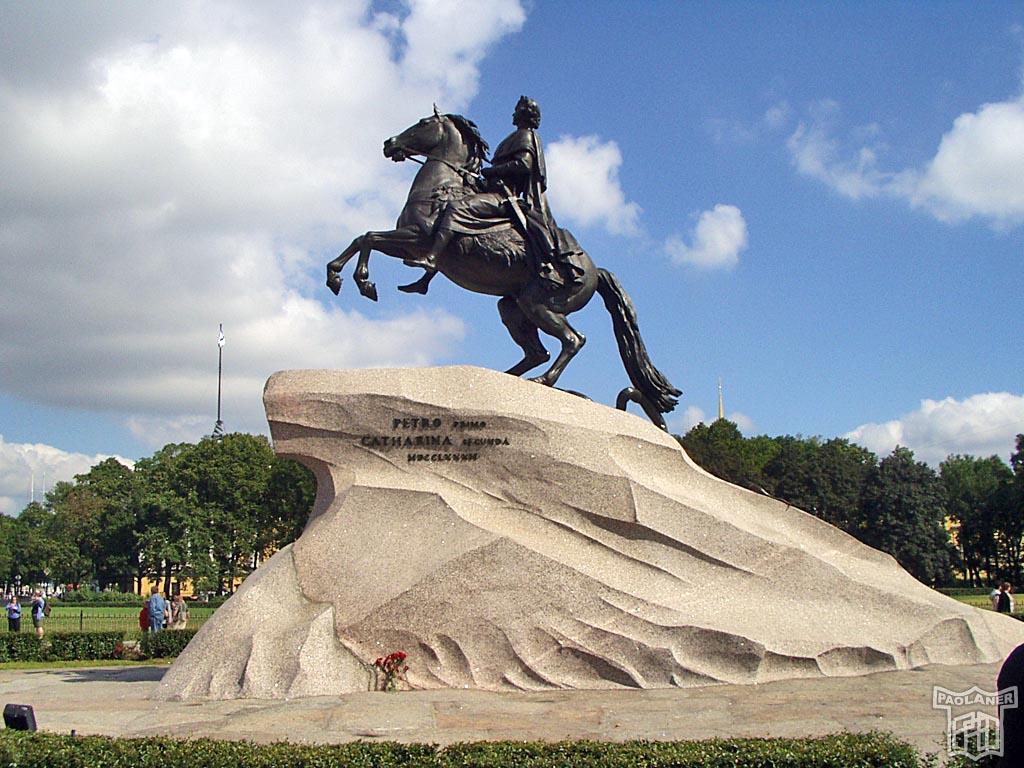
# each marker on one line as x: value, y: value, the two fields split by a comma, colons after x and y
x: 435, y: 439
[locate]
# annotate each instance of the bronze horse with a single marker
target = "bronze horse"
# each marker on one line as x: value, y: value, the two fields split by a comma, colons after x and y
x: 496, y: 264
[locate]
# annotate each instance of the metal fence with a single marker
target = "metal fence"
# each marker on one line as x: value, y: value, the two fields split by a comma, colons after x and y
x: 81, y: 620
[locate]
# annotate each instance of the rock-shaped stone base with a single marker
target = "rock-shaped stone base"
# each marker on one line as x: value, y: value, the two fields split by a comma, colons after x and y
x: 510, y: 536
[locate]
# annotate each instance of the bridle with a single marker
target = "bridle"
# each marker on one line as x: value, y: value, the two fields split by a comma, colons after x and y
x: 463, y: 171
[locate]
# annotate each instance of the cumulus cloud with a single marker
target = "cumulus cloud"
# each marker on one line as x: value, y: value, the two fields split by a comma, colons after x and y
x: 977, y: 170
x: 979, y: 167
x: 717, y: 240
x: 585, y: 184
x: 24, y: 465
x: 980, y: 425
x: 179, y: 170
x: 745, y: 423
x: 688, y: 419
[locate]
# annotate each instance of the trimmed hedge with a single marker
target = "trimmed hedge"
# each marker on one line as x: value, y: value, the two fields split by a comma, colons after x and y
x: 870, y: 750
x: 170, y: 642
x: 106, y: 599
x: 59, y: 646
x: 76, y: 646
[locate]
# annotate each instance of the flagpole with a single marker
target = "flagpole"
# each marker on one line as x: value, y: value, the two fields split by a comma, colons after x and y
x: 218, y: 428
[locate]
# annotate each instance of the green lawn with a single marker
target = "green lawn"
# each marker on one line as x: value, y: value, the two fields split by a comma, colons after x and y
x: 978, y: 601
x: 85, y: 663
x: 983, y: 601
x: 101, y: 619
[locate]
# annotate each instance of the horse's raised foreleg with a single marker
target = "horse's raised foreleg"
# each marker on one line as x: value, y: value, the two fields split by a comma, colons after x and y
x: 334, y: 267
x: 398, y: 243
x: 524, y: 333
x: 553, y: 324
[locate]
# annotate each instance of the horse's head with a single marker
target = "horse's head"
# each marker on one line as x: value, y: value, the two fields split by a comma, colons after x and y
x: 422, y: 138
x: 449, y: 137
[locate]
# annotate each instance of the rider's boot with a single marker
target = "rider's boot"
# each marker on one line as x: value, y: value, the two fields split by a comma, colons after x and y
x: 442, y: 237
x: 421, y: 285
x: 429, y: 262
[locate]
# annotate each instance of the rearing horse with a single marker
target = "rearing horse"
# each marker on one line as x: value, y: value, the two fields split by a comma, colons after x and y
x: 496, y: 263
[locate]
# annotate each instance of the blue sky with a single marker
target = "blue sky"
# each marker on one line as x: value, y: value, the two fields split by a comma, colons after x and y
x: 820, y: 204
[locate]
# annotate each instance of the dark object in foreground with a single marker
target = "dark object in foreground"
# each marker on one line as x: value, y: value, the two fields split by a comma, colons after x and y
x: 1011, y: 675
x: 19, y: 717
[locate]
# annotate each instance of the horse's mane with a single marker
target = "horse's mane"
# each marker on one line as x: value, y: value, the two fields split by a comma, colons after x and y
x: 474, y: 141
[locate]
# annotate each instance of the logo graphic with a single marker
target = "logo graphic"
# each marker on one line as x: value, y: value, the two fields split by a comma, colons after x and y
x: 970, y: 731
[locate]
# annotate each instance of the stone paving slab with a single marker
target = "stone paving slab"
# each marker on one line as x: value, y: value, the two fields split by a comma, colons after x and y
x: 114, y: 701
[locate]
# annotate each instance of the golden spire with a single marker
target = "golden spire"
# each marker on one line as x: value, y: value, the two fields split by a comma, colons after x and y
x: 721, y: 403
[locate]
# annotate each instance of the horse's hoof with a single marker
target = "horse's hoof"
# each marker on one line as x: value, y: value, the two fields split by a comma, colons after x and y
x: 368, y: 289
x: 334, y: 283
x: 541, y: 380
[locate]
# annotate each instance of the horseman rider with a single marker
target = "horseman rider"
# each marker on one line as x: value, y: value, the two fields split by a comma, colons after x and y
x: 513, y: 193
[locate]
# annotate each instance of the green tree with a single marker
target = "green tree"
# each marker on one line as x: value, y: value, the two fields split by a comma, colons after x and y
x: 288, y: 500
x: 904, y: 515
x: 227, y: 481
x: 825, y: 479
x: 972, y: 496
x: 1009, y: 517
x: 168, y: 534
x: 113, y: 485
x: 8, y: 545
x: 718, y: 448
x: 74, y: 533
x: 33, y: 549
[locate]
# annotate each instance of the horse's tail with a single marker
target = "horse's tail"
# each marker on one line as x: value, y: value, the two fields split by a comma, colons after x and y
x: 648, y: 380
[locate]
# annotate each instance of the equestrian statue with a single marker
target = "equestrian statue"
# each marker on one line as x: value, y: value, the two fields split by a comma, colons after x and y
x: 490, y: 230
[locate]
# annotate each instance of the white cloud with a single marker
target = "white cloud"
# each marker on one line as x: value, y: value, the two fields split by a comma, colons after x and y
x: 25, y: 464
x: 816, y: 154
x: 979, y: 167
x: 977, y: 170
x: 718, y: 238
x: 156, y: 431
x: 180, y: 170
x: 583, y: 174
x: 980, y: 425
x: 745, y: 423
x: 777, y: 115
x: 691, y: 417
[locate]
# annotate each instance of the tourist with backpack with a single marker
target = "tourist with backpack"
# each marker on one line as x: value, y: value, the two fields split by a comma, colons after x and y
x: 40, y: 610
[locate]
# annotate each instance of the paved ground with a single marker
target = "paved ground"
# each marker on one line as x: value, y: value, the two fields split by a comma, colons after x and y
x: 114, y: 701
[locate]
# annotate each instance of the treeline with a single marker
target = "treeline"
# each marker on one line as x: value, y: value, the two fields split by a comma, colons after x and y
x: 966, y: 519
x: 207, y: 512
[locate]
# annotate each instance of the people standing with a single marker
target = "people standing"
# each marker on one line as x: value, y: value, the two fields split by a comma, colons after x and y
x: 38, y: 612
x: 179, y: 612
x: 13, y: 614
x: 1004, y: 601
x: 157, y: 610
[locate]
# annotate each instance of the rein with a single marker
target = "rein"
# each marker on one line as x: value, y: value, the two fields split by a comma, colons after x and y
x: 463, y: 172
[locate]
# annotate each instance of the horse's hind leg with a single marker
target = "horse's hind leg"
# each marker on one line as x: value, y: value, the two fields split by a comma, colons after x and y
x: 524, y: 333
x: 554, y: 324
